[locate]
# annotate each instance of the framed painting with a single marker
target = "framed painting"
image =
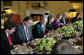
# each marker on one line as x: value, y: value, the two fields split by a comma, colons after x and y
x: 36, y: 17
x: 7, y: 3
x: 76, y: 1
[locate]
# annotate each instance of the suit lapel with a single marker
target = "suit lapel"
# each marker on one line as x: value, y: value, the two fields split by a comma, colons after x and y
x: 5, y: 38
x: 41, y: 27
x: 45, y: 27
x: 24, y: 33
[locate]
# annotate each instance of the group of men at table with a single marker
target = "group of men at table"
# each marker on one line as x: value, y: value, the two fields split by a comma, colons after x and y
x: 13, y: 36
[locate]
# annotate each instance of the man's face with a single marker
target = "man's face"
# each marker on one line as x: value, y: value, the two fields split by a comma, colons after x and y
x: 60, y: 17
x: 65, y: 15
x: 43, y: 21
x: 78, y: 16
x: 29, y: 23
x: 11, y: 31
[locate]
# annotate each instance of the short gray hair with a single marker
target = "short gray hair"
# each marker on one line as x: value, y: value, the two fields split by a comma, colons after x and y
x: 65, y: 13
x: 43, y: 17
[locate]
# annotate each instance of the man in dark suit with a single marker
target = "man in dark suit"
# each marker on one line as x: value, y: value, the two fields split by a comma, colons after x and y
x: 77, y: 18
x: 7, y: 37
x: 64, y: 20
x: 40, y: 28
x: 23, y: 31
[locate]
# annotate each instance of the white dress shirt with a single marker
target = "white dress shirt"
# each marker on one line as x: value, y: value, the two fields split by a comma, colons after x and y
x: 42, y: 25
x: 64, y: 20
x: 7, y: 35
x: 25, y: 30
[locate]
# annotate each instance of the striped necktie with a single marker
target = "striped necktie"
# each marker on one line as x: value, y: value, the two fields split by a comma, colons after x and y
x: 27, y: 33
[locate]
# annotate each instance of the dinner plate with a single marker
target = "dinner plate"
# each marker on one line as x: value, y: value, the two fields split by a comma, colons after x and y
x: 78, y: 47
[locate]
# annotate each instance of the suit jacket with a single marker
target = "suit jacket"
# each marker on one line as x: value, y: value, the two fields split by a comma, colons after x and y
x: 49, y: 26
x: 62, y: 20
x: 21, y: 34
x: 75, y: 19
x: 38, y: 31
x: 5, y: 47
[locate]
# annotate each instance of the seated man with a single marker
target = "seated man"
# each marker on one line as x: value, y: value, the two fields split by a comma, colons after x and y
x: 7, y: 38
x: 23, y: 31
x: 63, y: 47
x: 77, y: 18
x: 40, y: 28
x: 64, y: 18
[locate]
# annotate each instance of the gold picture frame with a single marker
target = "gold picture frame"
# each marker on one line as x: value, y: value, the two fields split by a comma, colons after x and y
x: 76, y: 1
x: 7, y: 3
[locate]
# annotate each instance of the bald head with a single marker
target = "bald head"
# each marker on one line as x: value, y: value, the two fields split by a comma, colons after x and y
x: 65, y: 14
x: 63, y: 47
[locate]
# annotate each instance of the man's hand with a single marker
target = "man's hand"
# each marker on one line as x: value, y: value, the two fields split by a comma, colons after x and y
x: 32, y: 43
x: 61, y: 23
x: 24, y: 44
x: 17, y: 46
x: 77, y: 51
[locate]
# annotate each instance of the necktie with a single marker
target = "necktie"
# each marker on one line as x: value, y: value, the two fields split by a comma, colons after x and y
x: 43, y: 29
x: 27, y: 33
x: 9, y: 39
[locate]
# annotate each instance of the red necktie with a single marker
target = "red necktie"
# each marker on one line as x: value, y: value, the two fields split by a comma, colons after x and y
x: 9, y: 39
x: 43, y: 30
